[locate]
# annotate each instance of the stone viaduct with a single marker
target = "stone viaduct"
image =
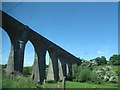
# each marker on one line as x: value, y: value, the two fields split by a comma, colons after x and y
x: 61, y: 61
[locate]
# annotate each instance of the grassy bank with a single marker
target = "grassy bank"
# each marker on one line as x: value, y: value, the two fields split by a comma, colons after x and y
x: 18, y: 82
x: 70, y: 84
x: 25, y: 82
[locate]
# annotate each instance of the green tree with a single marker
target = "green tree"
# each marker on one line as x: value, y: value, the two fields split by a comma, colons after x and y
x: 74, y: 71
x: 101, y: 60
x: 115, y: 59
x: 85, y: 75
x: 98, y: 60
x: 82, y: 73
x: 4, y: 66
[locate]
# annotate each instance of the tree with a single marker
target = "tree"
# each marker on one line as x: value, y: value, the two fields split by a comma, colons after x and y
x: 101, y: 60
x: 4, y: 66
x: 98, y: 60
x: 74, y: 70
x: 115, y: 59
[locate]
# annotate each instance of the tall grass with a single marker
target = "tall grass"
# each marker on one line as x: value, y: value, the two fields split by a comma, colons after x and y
x: 18, y: 82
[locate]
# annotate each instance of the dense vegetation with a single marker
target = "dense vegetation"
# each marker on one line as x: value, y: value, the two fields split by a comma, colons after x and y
x: 96, y: 73
x: 113, y: 60
x: 26, y: 82
x: 98, y: 70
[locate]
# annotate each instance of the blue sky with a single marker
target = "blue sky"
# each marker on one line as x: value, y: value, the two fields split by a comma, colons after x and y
x: 85, y: 29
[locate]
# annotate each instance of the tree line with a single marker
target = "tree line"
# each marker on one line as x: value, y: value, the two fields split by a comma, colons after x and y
x: 113, y: 60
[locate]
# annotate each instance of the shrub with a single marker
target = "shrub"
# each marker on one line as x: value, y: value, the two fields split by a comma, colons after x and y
x: 74, y: 71
x: 16, y: 73
x: 85, y: 76
x: 93, y: 76
x: 27, y: 71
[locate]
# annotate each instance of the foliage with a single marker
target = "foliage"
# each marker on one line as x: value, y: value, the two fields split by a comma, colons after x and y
x: 4, y: 66
x: 107, y: 74
x: 16, y: 73
x: 99, y: 75
x: 18, y: 82
x: 74, y: 71
x: 101, y: 60
x: 25, y: 82
x: 82, y: 73
x: 27, y: 71
x: 85, y: 75
x: 115, y: 59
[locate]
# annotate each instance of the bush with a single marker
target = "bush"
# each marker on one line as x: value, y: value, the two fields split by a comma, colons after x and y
x: 93, y: 76
x: 74, y: 71
x: 16, y: 73
x: 27, y: 71
x: 85, y: 75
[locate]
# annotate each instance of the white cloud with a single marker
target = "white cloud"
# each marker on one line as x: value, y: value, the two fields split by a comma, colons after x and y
x: 100, y: 52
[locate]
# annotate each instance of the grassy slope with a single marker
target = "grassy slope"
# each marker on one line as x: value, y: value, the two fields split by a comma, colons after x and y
x: 70, y: 84
x: 25, y: 82
x: 53, y: 85
x: 22, y: 82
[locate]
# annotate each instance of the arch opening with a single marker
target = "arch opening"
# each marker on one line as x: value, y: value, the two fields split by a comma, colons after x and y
x: 28, y: 58
x: 47, y: 61
x: 6, y: 46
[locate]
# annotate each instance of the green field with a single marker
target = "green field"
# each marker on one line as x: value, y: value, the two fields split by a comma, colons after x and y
x: 24, y: 82
x: 70, y: 84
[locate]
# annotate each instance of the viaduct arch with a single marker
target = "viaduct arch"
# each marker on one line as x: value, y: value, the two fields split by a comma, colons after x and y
x: 60, y: 60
